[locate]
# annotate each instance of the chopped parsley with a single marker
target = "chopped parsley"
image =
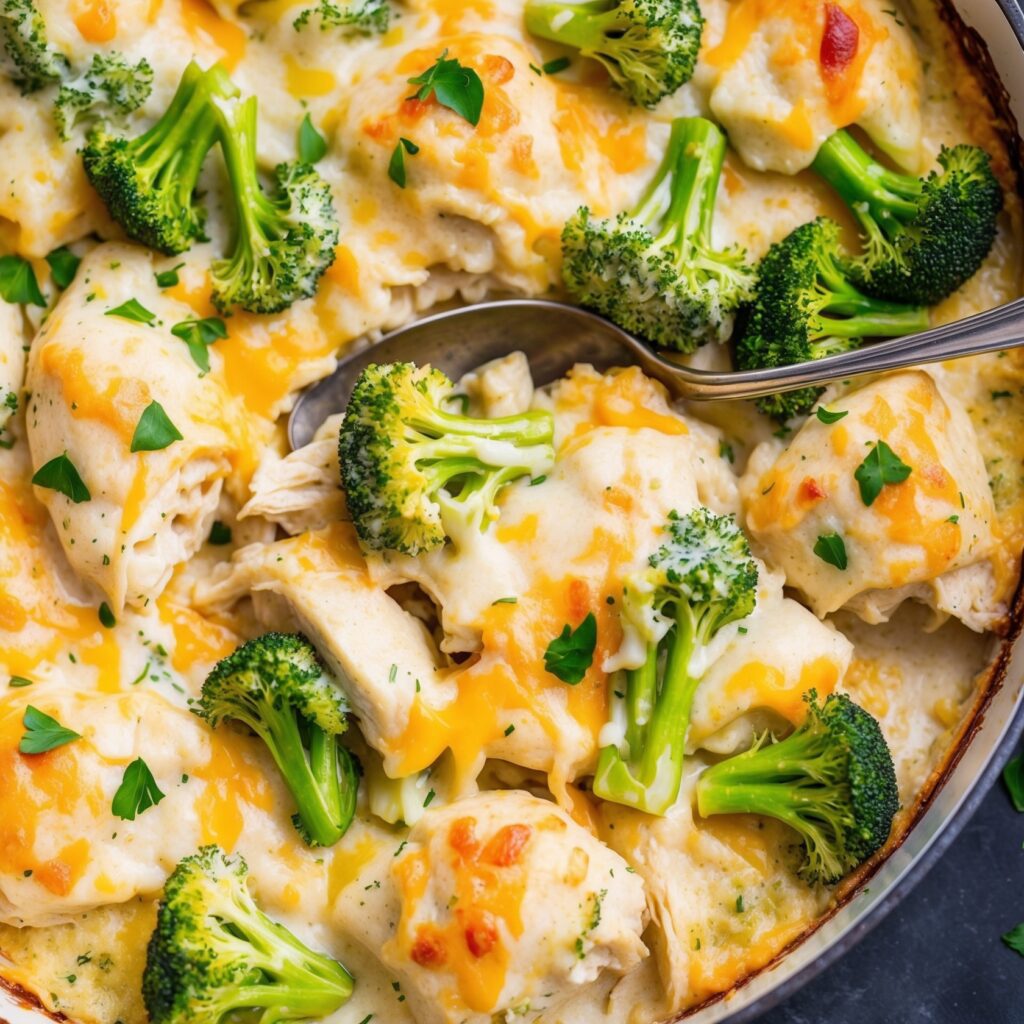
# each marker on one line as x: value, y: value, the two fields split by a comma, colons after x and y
x: 198, y: 336
x: 60, y: 475
x: 137, y: 793
x: 168, y: 278
x: 828, y: 416
x: 18, y: 282
x: 220, y: 533
x: 881, y: 466
x: 312, y: 145
x: 43, y: 733
x: 133, y: 310
x: 396, y: 165
x: 154, y: 431
x: 1013, y: 776
x: 454, y: 86
x: 107, y: 619
x: 831, y: 548
x: 571, y: 653
x: 63, y: 266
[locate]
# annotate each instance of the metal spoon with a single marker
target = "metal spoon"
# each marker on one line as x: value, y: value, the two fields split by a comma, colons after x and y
x: 555, y: 336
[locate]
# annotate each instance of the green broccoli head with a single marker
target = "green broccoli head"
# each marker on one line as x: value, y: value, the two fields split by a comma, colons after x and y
x: 806, y: 307
x: 648, y: 47
x: 283, y: 241
x: 924, y: 237
x: 147, y: 183
x: 705, y: 566
x: 701, y: 579
x: 416, y: 473
x: 349, y: 17
x: 29, y: 60
x: 276, y: 685
x: 653, y: 270
x: 832, y: 781
x: 214, y: 954
x: 108, y: 91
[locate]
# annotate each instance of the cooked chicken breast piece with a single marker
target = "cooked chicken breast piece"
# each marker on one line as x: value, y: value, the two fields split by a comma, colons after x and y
x: 780, y: 88
x: 142, y: 512
x: 899, y: 482
x: 508, y: 907
x: 64, y: 851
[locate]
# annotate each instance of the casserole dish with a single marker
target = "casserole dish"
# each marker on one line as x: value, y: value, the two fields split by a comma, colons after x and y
x: 985, y: 733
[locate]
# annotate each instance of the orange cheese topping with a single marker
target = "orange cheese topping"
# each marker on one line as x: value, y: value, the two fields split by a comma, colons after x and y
x: 208, y: 28
x: 807, y: 18
x: 766, y: 686
x: 35, y: 784
x: 233, y: 778
x: 490, y: 881
x: 96, y: 20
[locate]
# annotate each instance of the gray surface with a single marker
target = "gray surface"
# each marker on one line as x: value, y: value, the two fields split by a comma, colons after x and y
x: 937, y: 958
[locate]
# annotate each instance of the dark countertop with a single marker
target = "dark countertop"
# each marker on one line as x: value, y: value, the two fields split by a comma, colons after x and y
x: 937, y: 958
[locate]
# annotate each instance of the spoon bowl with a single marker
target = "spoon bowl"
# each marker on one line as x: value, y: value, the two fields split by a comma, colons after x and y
x: 555, y: 336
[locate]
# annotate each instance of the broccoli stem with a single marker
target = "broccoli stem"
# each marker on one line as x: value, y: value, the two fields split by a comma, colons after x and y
x: 301, y: 986
x: 656, y: 724
x: 584, y: 26
x: 321, y: 780
x: 872, y: 191
x: 174, y: 149
x: 523, y: 430
x: 679, y: 205
x: 256, y: 218
x: 863, y: 316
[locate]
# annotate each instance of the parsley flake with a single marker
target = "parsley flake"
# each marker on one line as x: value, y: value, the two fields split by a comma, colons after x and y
x: 881, y: 466
x: 107, y: 619
x: 552, y: 67
x: 43, y: 733
x: 18, y: 681
x: 168, y: 278
x: 312, y: 145
x: 59, y: 474
x: 1014, y: 938
x: 831, y: 548
x: 396, y: 165
x: 133, y: 310
x: 571, y: 653
x: 63, y: 266
x: 828, y: 416
x: 18, y: 282
x: 198, y: 335
x: 1013, y: 776
x: 454, y: 86
x: 154, y: 431
x: 137, y: 793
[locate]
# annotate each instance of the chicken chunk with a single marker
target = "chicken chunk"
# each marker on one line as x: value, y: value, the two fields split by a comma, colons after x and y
x: 784, y: 75
x: 65, y: 850
x: 889, y: 502
x: 134, y: 515
x: 507, y: 906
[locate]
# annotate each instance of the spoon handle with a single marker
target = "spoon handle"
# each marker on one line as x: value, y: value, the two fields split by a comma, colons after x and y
x: 991, y: 331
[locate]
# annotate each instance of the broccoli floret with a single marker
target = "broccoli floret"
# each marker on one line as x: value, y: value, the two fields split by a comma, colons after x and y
x: 108, y: 91
x: 29, y: 59
x: 147, y: 183
x: 417, y: 473
x: 924, y: 237
x: 354, y: 17
x: 215, y: 956
x: 653, y: 270
x: 282, y: 242
x: 806, y: 307
x: 700, y: 580
x: 832, y: 780
x: 276, y: 686
x: 649, y: 47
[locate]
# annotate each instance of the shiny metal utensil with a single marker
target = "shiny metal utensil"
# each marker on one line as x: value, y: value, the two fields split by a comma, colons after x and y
x: 555, y: 336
